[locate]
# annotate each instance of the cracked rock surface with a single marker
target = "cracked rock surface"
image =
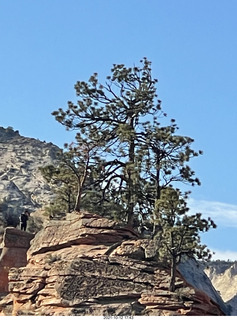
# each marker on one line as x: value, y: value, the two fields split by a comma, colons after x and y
x: 21, y: 183
x: 88, y: 265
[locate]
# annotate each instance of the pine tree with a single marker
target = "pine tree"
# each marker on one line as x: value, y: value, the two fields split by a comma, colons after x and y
x: 63, y: 184
x: 73, y: 176
x: 140, y: 157
x: 179, y: 231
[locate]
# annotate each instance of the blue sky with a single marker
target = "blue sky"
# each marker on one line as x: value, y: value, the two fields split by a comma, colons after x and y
x: 47, y: 45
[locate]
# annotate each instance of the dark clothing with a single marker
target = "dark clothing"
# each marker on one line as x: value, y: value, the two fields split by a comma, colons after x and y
x: 23, y: 226
x: 24, y: 218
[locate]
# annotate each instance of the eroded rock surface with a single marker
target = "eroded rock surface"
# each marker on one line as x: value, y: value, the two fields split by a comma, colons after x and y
x: 13, y: 254
x: 87, y: 265
x: 223, y: 276
x: 193, y: 273
x: 21, y: 182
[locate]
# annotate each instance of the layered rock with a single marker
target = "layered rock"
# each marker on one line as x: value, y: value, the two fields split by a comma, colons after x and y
x: 13, y: 254
x: 88, y: 265
x: 21, y: 183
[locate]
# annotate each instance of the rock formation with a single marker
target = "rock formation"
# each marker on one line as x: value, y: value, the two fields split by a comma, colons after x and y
x: 194, y: 274
x: 223, y: 276
x: 88, y: 265
x: 21, y: 183
x: 13, y: 253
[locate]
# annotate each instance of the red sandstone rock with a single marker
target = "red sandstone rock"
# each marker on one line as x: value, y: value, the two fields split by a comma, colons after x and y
x: 87, y: 265
x: 15, y: 245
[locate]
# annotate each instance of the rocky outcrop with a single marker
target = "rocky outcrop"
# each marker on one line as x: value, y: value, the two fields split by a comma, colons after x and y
x: 88, y: 265
x: 21, y: 183
x: 223, y: 276
x: 193, y: 273
x: 13, y: 254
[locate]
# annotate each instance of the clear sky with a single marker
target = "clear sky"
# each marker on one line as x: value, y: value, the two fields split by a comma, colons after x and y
x: 47, y: 45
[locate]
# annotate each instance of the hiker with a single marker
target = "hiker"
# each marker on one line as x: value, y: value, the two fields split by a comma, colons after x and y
x: 24, y: 217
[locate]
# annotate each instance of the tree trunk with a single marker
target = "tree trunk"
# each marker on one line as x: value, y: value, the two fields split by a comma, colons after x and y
x: 78, y: 199
x: 69, y: 201
x: 158, y: 189
x: 130, y: 209
x: 81, y: 183
x: 172, y: 274
x: 130, y: 215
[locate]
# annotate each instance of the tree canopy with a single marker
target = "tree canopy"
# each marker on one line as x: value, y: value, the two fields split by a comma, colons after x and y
x: 139, y: 156
x: 131, y: 161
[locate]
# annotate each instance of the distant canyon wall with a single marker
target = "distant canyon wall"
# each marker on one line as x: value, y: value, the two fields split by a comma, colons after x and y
x: 21, y: 183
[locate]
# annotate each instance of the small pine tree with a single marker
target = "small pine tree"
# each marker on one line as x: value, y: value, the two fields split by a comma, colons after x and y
x: 63, y: 184
x: 73, y: 177
x: 179, y: 232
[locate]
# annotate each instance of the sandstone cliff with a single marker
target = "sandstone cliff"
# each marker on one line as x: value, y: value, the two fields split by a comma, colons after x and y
x: 88, y: 265
x: 21, y: 183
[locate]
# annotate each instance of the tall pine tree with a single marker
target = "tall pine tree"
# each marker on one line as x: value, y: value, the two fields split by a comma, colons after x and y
x: 140, y: 157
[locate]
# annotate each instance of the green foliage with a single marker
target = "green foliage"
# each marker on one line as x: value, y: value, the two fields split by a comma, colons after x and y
x: 127, y: 164
x: 57, y: 209
x: 64, y: 185
x: 74, y: 179
x: 179, y: 231
x: 138, y: 156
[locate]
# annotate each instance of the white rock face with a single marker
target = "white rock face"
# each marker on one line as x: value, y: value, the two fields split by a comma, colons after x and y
x: 194, y: 274
x: 21, y: 183
x: 223, y: 276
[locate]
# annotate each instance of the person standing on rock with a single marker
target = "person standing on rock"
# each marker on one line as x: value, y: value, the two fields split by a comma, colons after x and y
x: 24, y: 218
